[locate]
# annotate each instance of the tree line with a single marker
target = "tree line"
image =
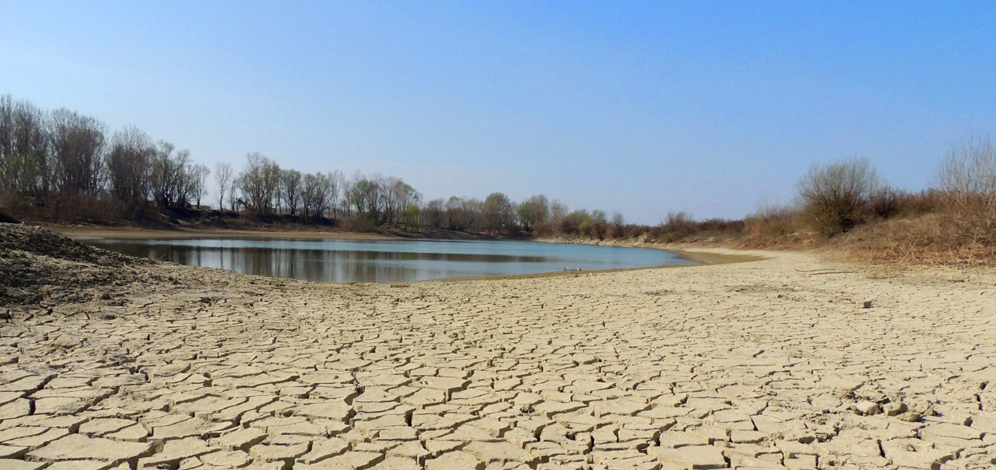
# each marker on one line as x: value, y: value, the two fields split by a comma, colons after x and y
x: 65, y: 161
x: 66, y: 165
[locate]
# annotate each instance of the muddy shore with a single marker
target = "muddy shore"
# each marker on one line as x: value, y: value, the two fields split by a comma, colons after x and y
x: 787, y: 361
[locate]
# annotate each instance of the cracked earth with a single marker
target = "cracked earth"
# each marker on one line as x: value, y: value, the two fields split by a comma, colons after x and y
x: 770, y: 364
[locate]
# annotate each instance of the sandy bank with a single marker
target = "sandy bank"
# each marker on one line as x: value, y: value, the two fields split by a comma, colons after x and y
x: 769, y: 364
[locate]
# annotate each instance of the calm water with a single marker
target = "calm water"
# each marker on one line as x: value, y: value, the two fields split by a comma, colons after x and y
x: 387, y: 261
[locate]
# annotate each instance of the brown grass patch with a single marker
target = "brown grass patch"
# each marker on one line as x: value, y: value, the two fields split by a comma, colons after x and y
x: 932, y: 239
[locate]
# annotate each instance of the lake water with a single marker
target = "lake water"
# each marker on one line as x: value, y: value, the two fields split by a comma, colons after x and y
x: 389, y: 260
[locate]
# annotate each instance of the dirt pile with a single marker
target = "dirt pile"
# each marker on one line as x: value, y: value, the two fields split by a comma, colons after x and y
x: 7, y: 218
x: 40, y: 267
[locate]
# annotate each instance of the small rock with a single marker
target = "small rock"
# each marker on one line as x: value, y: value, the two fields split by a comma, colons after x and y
x: 867, y: 408
x: 867, y: 304
x: 894, y: 408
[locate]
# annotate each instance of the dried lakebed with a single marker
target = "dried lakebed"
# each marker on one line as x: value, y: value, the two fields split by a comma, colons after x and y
x: 770, y: 364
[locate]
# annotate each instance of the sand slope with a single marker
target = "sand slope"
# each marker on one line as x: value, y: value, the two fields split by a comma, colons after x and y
x: 768, y: 364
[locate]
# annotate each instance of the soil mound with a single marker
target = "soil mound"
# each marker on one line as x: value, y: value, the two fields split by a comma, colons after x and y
x: 40, y: 267
x: 7, y: 218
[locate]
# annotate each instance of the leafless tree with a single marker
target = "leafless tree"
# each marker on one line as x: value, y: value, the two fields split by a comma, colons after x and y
x: 968, y: 173
x: 223, y: 176
x: 233, y: 197
x: 454, y: 213
x: 8, y: 166
x: 558, y: 213
x: 77, y: 150
x: 465, y: 214
x: 198, y: 175
x: 618, y: 224
x: 290, y: 189
x: 388, y: 199
x: 129, y: 166
x: 498, y: 212
x: 397, y: 198
x: 24, y: 149
x: 336, y: 188
x: 433, y: 214
x: 363, y: 196
x: 316, y: 188
x: 258, y: 183
x: 8, y: 171
x: 170, y: 176
x: 473, y: 214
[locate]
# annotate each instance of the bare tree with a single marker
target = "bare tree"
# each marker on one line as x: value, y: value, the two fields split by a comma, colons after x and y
x: 316, y: 188
x: 408, y: 201
x: 129, y: 167
x: 397, y: 197
x: 455, y: 219
x: 968, y: 174
x: 472, y: 211
x: 233, y: 199
x: 24, y: 149
x: 433, y: 214
x: 336, y: 188
x: 259, y: 183
x: 77, y: 150
x: 6, y: 125
x: 363, y: 196
x: 8, y: 165
x: 618, y: 224
x: 223, y: 176
x: 170, y: 176
x: 498, y: 212
x: 558, y: 213
x: 465, y: 214
x: 290, y: 189
x: 8, y: 171
x: 198, y: 182
x: 388, y: 199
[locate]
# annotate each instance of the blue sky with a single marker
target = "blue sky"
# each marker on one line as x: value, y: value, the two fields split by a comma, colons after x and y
x: 711, y: 107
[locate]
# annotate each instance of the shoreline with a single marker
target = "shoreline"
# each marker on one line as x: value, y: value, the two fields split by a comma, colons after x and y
x: 698, y: 257
x: 703, y: 256
x: 130, y: 233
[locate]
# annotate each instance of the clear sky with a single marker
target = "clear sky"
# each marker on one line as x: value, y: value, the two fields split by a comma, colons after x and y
x: 712, y: 107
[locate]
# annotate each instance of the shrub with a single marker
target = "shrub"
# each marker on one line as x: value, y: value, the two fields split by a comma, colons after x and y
x: 968, y: 183
x: 770, y: 225
x: 968, y: 174
x: 682, y: 227
x: 836, y: 196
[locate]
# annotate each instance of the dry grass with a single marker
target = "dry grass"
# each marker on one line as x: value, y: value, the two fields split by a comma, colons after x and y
x: 775, y: 227
x: 916, y: 229
x: 932, y: 239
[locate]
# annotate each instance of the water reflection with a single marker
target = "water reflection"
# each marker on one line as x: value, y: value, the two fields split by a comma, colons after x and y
x: 389, y: 261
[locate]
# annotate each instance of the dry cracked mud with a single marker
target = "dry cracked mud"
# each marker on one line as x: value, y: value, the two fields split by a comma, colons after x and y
x: 762, y: 365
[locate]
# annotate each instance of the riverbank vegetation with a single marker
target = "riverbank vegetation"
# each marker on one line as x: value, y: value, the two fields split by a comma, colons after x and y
x: 65, y: 167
